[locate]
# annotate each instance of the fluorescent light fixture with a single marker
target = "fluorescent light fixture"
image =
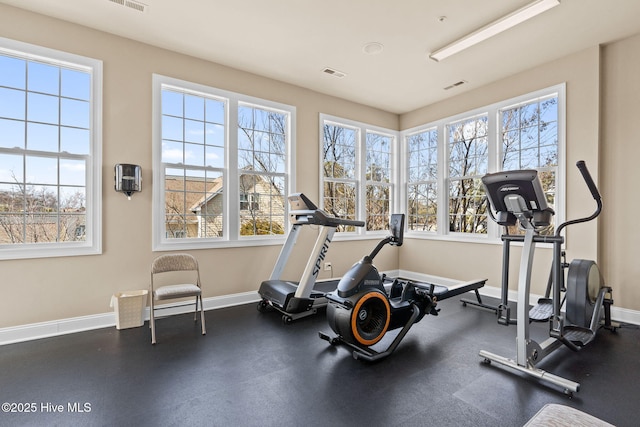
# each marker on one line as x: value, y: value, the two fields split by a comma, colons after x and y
x: 506, y: 22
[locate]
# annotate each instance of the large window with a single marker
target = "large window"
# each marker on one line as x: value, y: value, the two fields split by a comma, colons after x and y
x: 262, y: 157
x: 50, y: 191
x: 446, y: 160
x: 468, y: 148
x: 223, y: 161
x: 379, y: 187
x: 422, y: 178
x: 339, y: 174
x: 357, y: 172
x: 530, y: 140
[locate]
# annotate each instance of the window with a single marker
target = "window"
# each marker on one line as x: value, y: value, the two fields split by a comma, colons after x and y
x: 357, y: 172
x: 339, y: 171
x: 446, y: 160
x: 193, y: 129
x: 467, y: 145
x: 50, y: 152
x: 422, y: 170
x: 224, y: 161
x: 529, y: 134
x: 262, y: 156
x: 249, y: 201
x: 379, y: 180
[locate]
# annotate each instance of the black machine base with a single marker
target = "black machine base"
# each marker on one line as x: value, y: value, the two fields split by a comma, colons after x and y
x: 280, y: 295
x: 368, y: 353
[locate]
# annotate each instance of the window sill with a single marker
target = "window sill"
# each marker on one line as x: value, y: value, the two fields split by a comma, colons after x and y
x: 8, y: 252
x: 189, y: 244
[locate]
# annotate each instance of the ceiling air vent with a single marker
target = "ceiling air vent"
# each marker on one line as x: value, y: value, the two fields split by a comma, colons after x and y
x: 136, y: 5
x: 333, y: 72
x: 460, y: 83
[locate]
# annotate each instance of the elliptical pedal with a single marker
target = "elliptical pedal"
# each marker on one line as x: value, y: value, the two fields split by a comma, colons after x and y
x: 543, y: 311
x: 578, y: 335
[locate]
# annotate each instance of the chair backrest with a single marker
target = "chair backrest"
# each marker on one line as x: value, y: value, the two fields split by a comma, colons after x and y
x: 174, y: 262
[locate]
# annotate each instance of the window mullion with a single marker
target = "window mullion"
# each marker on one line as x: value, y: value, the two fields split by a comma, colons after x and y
x: 231, y: 207
x: 361, y: 178
x: 494, y: 150
x: 395, y: 160
x: 401, y: 176
x: 443, y: 184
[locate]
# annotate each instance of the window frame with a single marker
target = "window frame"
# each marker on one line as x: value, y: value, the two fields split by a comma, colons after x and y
x: 426, y: 181
x: 494, y: 136
x: 475, y: 178
x: 230, y: 173
x: 92, y: 245
x: 360, y: 180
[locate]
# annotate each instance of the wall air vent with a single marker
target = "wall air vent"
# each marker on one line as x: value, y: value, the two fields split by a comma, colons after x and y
x: 136, y: 5
x: 460, y: 83
x: 333, y: 72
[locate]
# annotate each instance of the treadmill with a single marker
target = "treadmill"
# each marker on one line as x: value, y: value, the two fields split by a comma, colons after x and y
x: 297, y: 299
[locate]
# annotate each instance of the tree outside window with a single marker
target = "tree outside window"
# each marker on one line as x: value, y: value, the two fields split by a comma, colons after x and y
x: 339, y: 172
x: 48, y: 147
x: 220, y: 185
x: 357, y: 172
x: 422, y: 182
x: 262, y: 166
x: 468, y: 162
x: 526, y: 134
x: 529, y: 134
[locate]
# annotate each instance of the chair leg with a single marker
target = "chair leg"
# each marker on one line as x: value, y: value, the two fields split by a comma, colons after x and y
x: 195, y: 313
x: 204, y: 330
x: 152, y: 322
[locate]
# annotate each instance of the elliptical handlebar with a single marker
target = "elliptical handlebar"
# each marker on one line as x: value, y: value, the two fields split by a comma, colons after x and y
x: 582, y: 166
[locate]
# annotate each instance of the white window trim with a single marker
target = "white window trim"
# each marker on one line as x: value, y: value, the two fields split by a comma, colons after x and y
x: 93, y: 243
x: 231, y: 221
x: 360, y: 180
x: 403, y: 191
x: 493, y: 230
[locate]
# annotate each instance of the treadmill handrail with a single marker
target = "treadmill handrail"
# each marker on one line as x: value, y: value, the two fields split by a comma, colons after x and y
x: 320, y: 217
x: 304, y: 211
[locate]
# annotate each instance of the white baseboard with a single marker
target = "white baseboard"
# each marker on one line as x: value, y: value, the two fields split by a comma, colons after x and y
x: 618, y: 314
x: 104, y: 320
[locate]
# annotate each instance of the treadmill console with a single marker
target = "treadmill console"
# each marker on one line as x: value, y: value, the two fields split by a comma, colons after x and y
x: 304, y: 211
x: 300, y: 202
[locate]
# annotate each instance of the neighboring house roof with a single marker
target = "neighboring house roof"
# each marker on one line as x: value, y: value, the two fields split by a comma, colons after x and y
x: 213, y: 192
x: 249, y: 182
x: 192, y: 188
x: 199, y: 192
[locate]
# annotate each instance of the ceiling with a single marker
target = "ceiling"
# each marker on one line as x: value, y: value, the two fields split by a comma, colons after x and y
x: 295, y: 40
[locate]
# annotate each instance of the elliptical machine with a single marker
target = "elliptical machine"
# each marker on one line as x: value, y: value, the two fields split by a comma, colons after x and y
x: 517, y: 197
x: 361, y: 312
